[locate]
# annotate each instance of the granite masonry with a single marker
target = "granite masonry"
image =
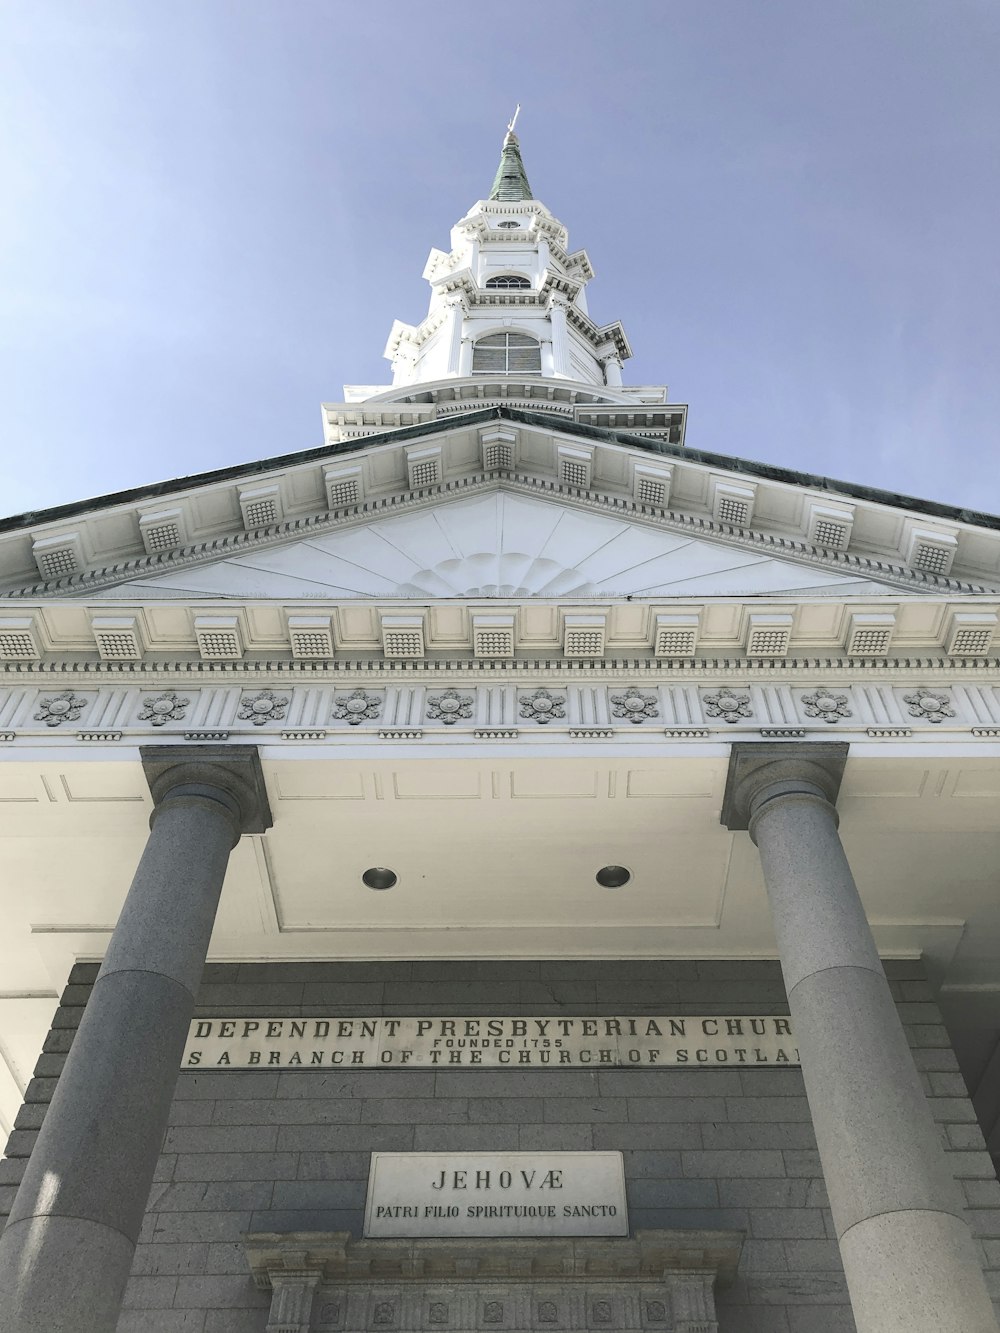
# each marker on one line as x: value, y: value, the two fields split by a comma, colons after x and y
x: 716, y: 1149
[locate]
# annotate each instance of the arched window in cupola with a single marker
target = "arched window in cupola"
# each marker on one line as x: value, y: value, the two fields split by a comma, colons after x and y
x: 507, y: 282
x: 507, y: 354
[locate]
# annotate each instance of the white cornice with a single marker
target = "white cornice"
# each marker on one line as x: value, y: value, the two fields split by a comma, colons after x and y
x: 673, y: 520
x: 109, y: 542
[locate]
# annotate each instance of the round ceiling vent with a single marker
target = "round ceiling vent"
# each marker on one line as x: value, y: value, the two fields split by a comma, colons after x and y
x: 379, y: 877
x: 613, y: 877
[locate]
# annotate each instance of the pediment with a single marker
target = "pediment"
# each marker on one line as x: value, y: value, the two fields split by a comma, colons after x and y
x: 499, y: 544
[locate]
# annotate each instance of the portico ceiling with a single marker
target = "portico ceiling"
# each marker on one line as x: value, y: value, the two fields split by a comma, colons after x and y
x: 496, y: 853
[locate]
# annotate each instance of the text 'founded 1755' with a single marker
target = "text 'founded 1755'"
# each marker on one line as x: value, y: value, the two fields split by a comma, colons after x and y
x: 379, y: 1043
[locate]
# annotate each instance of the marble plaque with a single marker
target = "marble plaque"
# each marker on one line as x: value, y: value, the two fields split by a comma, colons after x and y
x: 515, y: 1043
x: 496, y: 1194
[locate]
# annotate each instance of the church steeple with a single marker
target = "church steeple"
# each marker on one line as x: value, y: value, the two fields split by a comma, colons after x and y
x: 510, y: 184
x: 508, y: 299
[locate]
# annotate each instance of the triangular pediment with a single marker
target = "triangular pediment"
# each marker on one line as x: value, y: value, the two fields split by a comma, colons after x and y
x: 499, y: 544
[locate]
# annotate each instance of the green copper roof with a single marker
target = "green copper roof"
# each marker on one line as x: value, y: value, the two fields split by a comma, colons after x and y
x: 511, y: 182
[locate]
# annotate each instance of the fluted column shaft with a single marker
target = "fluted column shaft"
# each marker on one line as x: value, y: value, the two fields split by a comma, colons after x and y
x: 909, y: 1258
x: 560, y: 339
x: 66, y: 1253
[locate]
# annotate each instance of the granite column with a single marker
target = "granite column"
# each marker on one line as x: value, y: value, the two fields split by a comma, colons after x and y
x: 66, y: 1253
x: 909, y: 1258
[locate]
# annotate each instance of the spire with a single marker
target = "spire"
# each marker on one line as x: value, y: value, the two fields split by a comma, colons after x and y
x: 511, y: 182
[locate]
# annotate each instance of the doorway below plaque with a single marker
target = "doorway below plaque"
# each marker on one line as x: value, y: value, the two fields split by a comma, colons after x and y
x: 327, y: 1282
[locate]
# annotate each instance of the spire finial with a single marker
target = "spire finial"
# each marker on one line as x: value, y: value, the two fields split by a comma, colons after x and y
x: 511, y: 181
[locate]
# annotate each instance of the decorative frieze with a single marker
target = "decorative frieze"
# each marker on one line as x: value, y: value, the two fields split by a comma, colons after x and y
x: 163, y: 708
x: 55, y: 709
x: 542, y: 706
x: 827, y: 705
x: 357, y: 707
x: 635, y: 705
x: 729, y: 705
x: 449, y: 707
x: 263, y: 707
x: 488, y: 710
x: 928, y: 705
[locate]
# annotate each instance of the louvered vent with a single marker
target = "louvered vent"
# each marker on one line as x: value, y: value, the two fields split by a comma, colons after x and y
x: 219, y: 637
x: 507, y: 354
x: 310, y: 636
x: 18, y: 641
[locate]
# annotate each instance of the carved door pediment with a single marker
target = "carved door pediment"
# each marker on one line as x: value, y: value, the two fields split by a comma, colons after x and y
x: 660, y: 1281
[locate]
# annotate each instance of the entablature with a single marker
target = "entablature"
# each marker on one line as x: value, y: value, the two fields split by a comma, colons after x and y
x: 546, y: 704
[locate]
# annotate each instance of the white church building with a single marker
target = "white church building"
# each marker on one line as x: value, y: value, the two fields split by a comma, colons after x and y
x: 501, y: 868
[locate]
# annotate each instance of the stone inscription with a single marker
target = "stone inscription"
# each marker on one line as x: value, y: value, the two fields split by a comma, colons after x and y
x: 496, y: 1194
x: 392, y: 1043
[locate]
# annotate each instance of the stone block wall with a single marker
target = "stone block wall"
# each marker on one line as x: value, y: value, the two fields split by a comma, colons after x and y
x: 715, y: 1148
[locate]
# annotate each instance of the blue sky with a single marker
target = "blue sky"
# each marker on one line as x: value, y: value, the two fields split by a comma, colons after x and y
x: 212, y: 210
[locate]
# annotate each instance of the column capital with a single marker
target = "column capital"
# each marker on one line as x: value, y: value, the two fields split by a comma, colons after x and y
x: 812, y: 768
x: 229, y: 775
